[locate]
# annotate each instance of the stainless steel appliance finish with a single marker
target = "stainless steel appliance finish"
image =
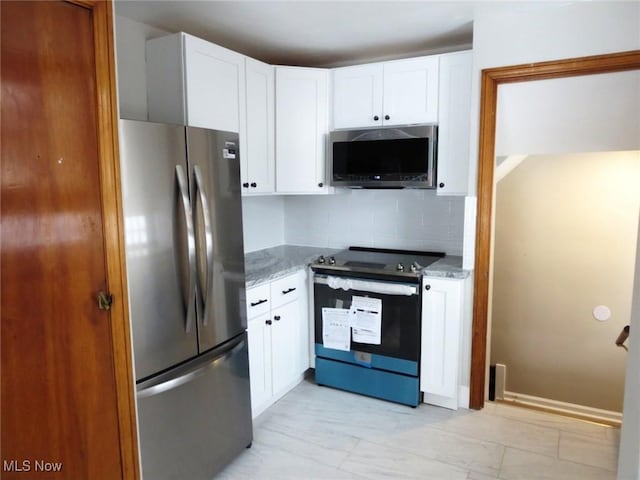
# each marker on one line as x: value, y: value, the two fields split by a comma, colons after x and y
x: 393, y: 157
x: 185, y: 266
x: 171, y: 406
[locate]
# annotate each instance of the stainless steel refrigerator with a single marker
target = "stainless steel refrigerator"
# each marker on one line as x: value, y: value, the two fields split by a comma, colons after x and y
x: 185, y: 268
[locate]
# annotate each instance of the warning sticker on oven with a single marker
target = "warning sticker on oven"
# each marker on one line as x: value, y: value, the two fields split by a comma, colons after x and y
x: 336, y: 328
x: 366, y: 319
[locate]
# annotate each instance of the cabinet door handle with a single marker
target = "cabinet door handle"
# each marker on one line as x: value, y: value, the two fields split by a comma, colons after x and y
x: 376, y: 118
x: 284, y: 292
x: 268, y: 322
x: 441, y: 185
x: 321, y: 184
x: 277, y: 318
x: 427, y: 287
x: 245, y: 185
x: 259, y: 302
x: 254, y: 184
x: 387, y: 117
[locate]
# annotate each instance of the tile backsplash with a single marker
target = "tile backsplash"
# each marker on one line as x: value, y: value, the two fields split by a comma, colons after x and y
x: 263, y: 222
x: 406, y: 219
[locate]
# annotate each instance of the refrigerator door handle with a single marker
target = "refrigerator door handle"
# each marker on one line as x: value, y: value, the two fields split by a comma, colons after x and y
x: 208, y: 240
x: 163, y: 384
x: 191, y: 247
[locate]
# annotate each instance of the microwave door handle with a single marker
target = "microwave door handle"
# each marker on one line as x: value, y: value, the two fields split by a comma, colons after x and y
x: 208, y: 242
x: 191, y: 247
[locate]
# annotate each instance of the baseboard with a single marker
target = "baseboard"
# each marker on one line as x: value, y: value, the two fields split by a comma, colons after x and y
x: 582, y: 412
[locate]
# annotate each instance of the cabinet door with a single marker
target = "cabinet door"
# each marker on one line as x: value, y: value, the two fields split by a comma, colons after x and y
x: 357, y: 96
x: 440, y: 345
x: 454, y: 104
x: 284, y: 346
x: 411, y: 91
x: 259, y: 338
x: 214, y: 85
x: 257, y: 142
x: 301, y: 129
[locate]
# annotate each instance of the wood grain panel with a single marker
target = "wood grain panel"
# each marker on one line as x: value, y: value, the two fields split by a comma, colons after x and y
x: 65, y: 397
x: 491, y: 79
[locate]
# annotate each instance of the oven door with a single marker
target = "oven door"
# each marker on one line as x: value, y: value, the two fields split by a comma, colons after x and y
x: 399, y: 349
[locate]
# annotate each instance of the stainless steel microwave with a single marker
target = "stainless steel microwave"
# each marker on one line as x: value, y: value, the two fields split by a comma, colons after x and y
x: 398, y: 157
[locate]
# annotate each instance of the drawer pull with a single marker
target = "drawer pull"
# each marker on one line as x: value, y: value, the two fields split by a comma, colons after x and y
x: 259, y: 302
x: 284, y: 292
x: 277, y: 318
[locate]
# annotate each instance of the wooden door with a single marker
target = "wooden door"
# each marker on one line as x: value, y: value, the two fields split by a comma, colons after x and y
x: 62, y: 412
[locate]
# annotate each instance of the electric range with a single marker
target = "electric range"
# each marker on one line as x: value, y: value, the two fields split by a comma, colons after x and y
x: 378, y: 353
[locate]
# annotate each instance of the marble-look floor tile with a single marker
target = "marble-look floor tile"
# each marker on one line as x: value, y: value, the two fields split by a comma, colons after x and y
x: 480, y: 476
x: 327, y: 434
x: 522, y: 465
x: 584, y: 449
x: 551, y: 420
x: 375, y: 461
x: 447, y: 447
x: 505, y: 431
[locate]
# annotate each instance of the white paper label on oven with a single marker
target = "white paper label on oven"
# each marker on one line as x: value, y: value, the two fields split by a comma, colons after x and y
x: 366, y: 319
x: 336, y: 329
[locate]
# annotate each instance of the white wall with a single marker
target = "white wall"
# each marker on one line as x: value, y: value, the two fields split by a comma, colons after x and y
x: 565, y: 30
x: 555, y: 215
x: 263, y: 222
x: 594, y: 113
x: 130, y: 38
x: 408, y: 219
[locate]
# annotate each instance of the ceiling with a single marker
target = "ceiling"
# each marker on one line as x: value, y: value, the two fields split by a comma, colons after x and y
x: 324, y: 33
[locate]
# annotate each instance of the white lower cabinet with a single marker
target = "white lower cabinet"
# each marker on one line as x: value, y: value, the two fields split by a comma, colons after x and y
x: 278, y: 339
x: 442, y: 300
x: 259, y: 334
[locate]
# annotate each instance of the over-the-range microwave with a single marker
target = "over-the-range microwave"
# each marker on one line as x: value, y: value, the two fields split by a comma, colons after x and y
x: 393, y: 157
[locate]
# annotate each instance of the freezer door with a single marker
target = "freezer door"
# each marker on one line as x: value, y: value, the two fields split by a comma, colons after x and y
x: 195, y: 419
x: 214, y: 164
x: 160, y: 245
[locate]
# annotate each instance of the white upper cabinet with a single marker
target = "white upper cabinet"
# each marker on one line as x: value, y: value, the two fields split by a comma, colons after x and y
x: 454, y: 123
x: 193, y: 82
x: 301, y: 129
x: 257, y: 136
x: 411, y: 91
x: 399, y: 92
x: 357, y: 96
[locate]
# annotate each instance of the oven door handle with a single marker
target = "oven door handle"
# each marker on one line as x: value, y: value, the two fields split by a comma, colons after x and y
x: 367, y: 285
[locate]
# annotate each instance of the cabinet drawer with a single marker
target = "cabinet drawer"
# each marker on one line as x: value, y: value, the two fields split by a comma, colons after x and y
x: 258, y: 300
x: 285, y: 290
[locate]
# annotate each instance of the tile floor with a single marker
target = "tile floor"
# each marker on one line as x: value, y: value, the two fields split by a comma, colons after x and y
x: 321, y: 433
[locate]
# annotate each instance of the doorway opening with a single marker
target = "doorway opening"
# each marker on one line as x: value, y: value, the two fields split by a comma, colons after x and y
x: 491, y: 79
x: 563, y: 267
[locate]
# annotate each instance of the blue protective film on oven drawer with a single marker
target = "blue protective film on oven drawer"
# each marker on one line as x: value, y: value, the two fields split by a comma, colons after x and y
x: 382, y: 362
x: 368, y: 381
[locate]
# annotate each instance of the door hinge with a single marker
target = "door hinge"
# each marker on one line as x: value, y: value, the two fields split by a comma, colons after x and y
x: 104, y: 300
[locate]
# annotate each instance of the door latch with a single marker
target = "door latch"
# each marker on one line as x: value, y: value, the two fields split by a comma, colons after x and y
x: 104, y: 300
